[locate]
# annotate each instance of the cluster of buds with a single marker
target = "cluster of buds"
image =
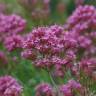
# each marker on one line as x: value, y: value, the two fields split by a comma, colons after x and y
x: 13, y: 42
x: 83, y: 19
x: 9, y: 86
x: 88, y: 66
x: 82, y: 22
x: 71, y: 87
x: 49, y: 48
x: 10, y: 25
x: 44, y: 89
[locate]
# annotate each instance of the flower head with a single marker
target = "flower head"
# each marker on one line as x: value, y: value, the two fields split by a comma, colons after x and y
x: 13, y: 42
x: 9, y: 86
x: 68, y: 89
x: 10, y: 25
x: 82, y: 19
x: 44, y: 89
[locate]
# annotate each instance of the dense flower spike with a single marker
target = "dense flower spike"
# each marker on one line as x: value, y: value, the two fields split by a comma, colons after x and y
x: 44, y: 40
x: 9, y: 86
x: 69, y: 88
x: 82, y: 24
x: 29, y: 54
x: 57, y: 62
x: 44, y: 89
x: 82, y: 19
x: 13, y: 42
x: 10, y: 25
x: 50, y: 40
x: 88, y: 66
x: 50, y: 47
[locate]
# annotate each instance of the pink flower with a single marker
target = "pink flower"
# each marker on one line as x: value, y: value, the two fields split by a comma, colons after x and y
x: 10, y: 25
x: 46, y: 45
x: 88, y: 65
x: 12, y: 42
x: 65, y: 90
x: 44, y: 89
x: 29, y: 54
x: 68, y: 89
x: 9, y: 86
x: 82, y: 19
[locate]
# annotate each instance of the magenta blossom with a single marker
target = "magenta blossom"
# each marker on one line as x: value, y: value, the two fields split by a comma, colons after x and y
x: 10, y: 25
x: 13, y: 42
x: 44, y: 89
x: 72, y: 85
x: 9, y: 86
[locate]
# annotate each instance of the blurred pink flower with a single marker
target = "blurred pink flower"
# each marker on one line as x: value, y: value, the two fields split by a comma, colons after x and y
x: 9, y: 86
x: 44, y: 89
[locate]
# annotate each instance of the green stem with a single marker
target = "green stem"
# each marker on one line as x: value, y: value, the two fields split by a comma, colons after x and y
x: 53, y: 82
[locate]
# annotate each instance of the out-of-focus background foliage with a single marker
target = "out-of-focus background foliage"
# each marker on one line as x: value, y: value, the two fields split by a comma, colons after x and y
x: 59, y: 10
x: 53, y: 12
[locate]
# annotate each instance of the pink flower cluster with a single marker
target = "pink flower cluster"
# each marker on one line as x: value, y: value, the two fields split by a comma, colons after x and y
x: 44, y: 89
x: 10, y: 25
x: 50, y: 47
x: 88, y: 66
x: 82, y: 19
x: 82, y: 24
x: 9, y: 86
x: 67, y: 89
x: 71, y: 87
x: 13, y: 42
x: 44, y: 40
